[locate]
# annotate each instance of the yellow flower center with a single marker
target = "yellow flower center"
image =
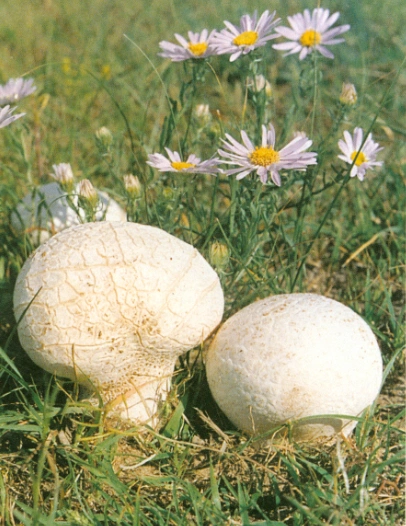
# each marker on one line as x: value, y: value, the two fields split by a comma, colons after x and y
x: 264, y: 156
x: 359, y: 158
x: 182, y: 166
x: 248, y: 38
x: 310, y: 38
x: 198, y: 49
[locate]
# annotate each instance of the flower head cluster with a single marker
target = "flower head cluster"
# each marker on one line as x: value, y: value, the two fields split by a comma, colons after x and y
x: 251, y: 34
x: 174, y: 163
x: 16, y: 89
x: 309, y: 32
x: 6, y: 116
x: 359, y: 153
x: 265, y: 159
x: 198, y: 46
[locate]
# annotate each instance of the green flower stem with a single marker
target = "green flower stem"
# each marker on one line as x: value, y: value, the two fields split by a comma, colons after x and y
x: 315, y: 92
x: 233, y: 207
x: 319, y: 228
x: 213, y: 200
x: 334, y: 200
x: 191, y: 100
x: 75, y: 208
x: 308, y: 182
x: 132, y: 210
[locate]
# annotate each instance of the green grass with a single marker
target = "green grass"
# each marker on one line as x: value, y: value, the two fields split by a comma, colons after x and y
x: 62, y: 462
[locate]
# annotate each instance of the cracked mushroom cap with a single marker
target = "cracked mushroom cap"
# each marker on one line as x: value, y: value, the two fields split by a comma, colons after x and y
x: 292, y: 356
x: 47, y: 212
x: 112, y: 305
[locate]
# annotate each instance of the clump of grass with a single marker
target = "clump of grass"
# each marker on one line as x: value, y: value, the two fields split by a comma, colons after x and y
x: 63, y: 462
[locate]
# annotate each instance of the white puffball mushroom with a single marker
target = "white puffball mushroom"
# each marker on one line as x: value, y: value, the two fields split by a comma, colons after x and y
x: 292, y: 356
x: 112, y: 305
x: 47, y: 212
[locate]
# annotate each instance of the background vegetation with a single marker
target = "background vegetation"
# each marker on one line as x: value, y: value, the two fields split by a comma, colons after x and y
x: 62, y: 463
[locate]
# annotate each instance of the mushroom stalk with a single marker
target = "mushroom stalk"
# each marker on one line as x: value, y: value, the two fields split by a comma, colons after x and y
x: 141, y: 402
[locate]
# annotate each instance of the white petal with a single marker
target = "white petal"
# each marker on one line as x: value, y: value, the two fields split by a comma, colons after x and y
x: 276, y: 178
x: 335, y: 32
x: 233, y: 29
x: 298, y: 23
x: 247, y: 143
x: 354, y: 171
x: 345, y: 158
x: 263, y: 174
x: 243, y: 174
x: 288, y: 45
x: 304, y: 52
x: 332, y: 20
x: 287, y: 33
x: 234, y: 56
x: 324, y: 51
x: 181, y: 40
x: 271, y: 135
x: 349, y: 142
x: 357, y: 139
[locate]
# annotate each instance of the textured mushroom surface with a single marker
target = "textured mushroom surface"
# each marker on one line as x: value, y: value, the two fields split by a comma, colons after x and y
x: 47, y: 212
x: 113, y: 306
x: 293, y: 356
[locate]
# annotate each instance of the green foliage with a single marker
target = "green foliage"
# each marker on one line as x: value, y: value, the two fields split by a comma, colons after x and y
x: 63, y: 461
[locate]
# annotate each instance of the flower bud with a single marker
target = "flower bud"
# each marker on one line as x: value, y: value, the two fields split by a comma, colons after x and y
x: 202, y: 113
x: 168, y: 193
x: 348, y: 95
x: 64, y: 176
x: 104, y: 137
x: 184, y: 220
x: 259, y: 83
x: 87, y: 194
x: 133, y: 186
x: 219, y: 255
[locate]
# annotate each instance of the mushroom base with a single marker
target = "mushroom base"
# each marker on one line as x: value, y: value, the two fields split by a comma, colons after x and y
x: 140, y: 402
x: 323, y: 428
x: 137, y: 401
x: 314, y: 428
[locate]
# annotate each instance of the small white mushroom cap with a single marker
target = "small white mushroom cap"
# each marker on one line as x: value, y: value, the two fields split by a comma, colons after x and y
x: 292, y: 356
x: 112, y: 305
x: 47, y: 212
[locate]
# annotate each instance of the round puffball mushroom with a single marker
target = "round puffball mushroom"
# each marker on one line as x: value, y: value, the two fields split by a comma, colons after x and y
x: 293, y: 356
x: 46, y: 212
x: 112, y: 305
